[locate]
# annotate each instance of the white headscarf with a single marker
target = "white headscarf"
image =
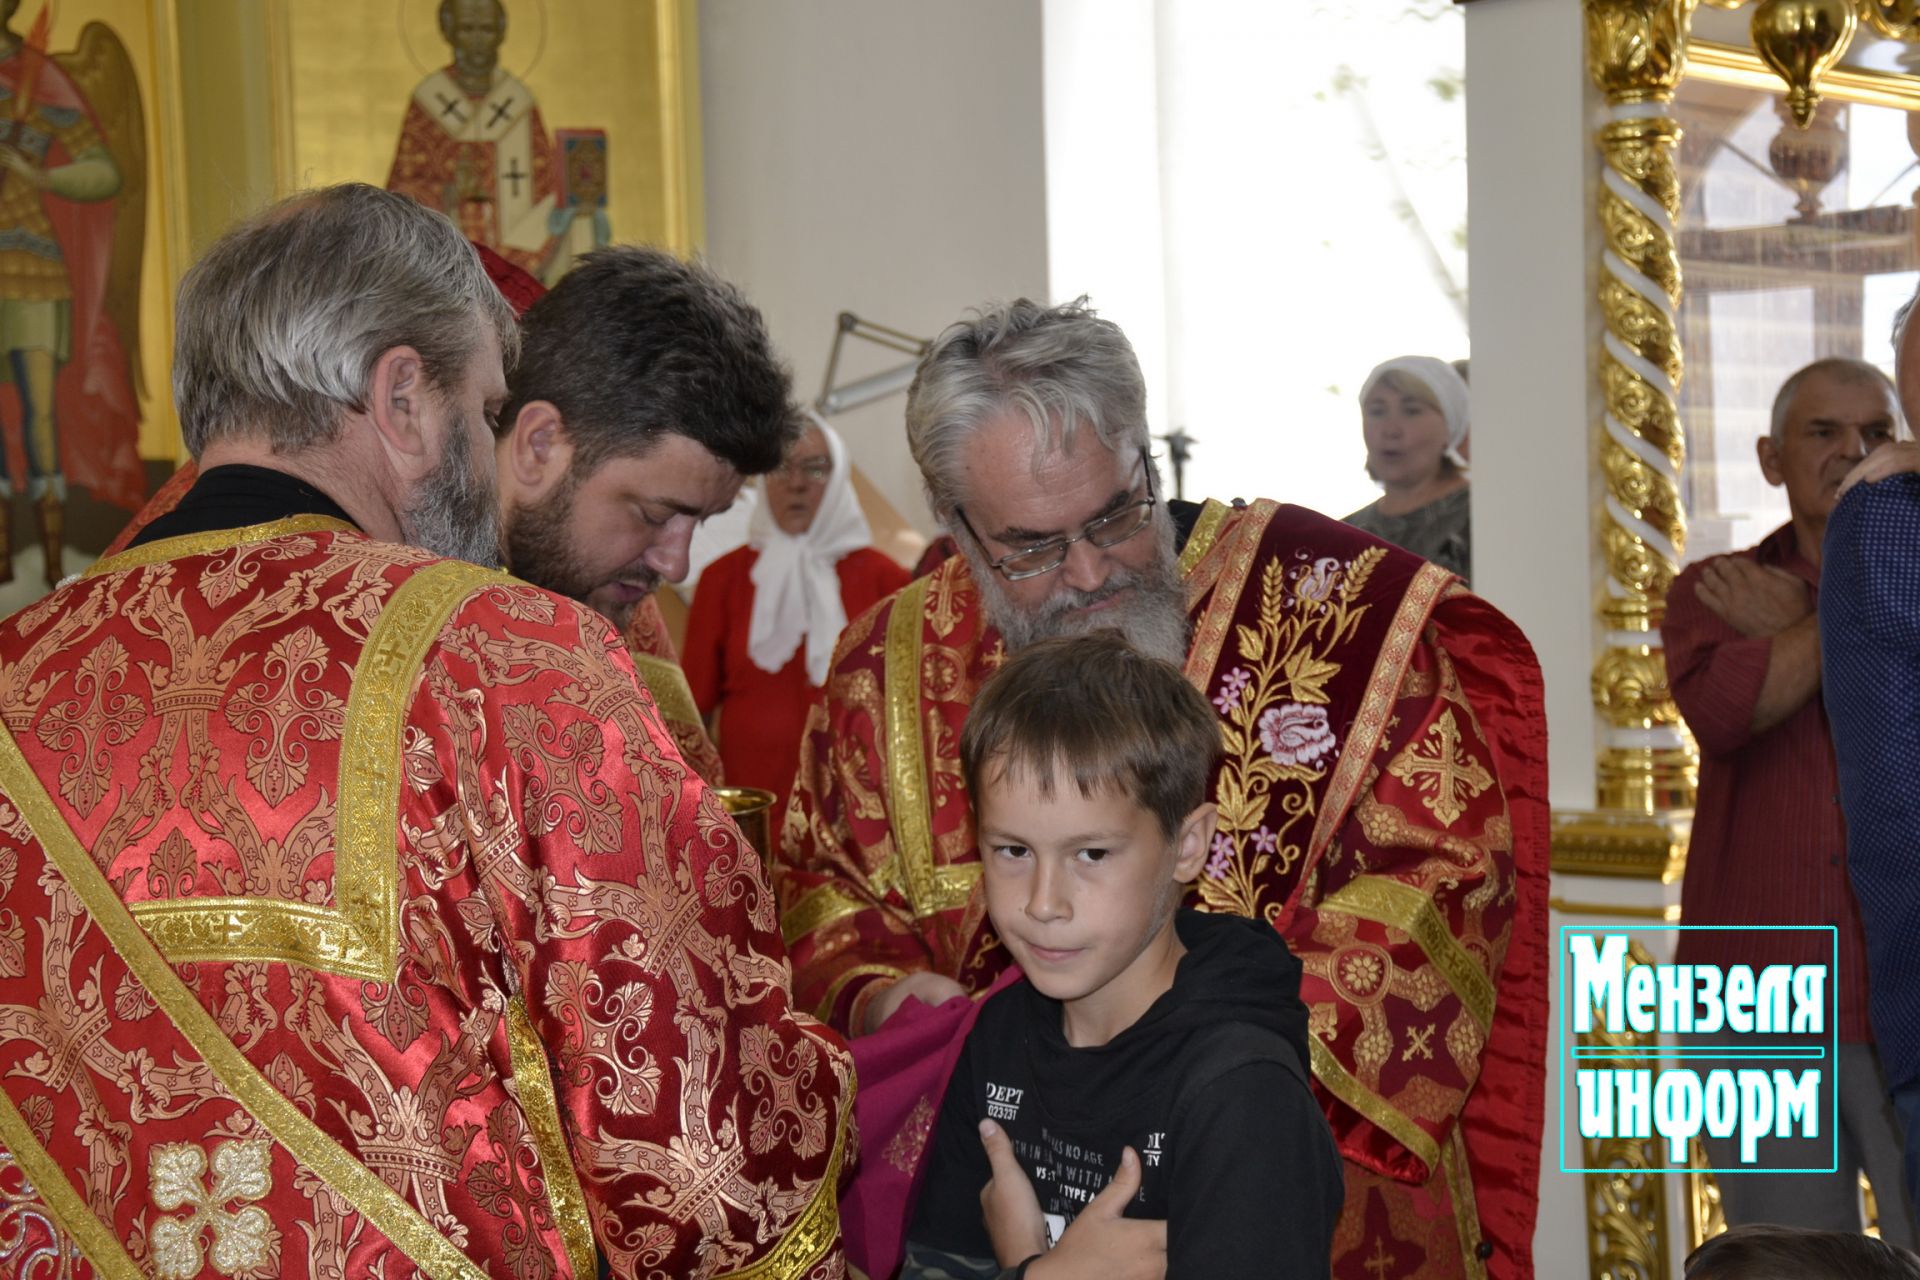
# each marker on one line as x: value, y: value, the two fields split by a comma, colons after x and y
x: 796, y: 592
x: 1447, y: 386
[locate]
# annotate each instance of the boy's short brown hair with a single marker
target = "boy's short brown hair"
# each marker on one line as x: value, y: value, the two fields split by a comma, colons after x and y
x: 1762, y: 1251
x: 1096, y: 709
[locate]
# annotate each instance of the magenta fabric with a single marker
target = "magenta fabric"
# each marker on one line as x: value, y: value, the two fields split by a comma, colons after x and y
x: 903, y: 1070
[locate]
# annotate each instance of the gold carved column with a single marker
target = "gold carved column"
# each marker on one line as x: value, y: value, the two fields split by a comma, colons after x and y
x: 1646, y: 767
x: 1627, y: 1235
x: 1636, y: 52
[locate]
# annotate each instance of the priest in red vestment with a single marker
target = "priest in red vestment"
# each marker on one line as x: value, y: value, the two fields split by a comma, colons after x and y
x: 579, y: 470
x: 647, y: 392
x: 765, y: 617
x: 359, y: 916
x: 1382, y: 800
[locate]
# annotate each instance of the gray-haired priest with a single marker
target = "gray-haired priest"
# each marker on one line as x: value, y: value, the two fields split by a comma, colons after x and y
x: 1382, y: 799
x: 359, y: 917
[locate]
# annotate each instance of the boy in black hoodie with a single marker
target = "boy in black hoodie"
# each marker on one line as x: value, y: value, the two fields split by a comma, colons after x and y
x: 1139, y: 1102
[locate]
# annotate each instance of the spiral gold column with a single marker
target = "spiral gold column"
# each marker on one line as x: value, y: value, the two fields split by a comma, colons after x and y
x: 1636, y: 52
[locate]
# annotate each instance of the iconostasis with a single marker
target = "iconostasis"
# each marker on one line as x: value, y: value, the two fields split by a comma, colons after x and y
x: 132, y: 132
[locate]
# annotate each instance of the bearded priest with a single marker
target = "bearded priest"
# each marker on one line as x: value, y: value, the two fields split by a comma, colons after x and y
x: 360, y: 916
x: 1382, y: 801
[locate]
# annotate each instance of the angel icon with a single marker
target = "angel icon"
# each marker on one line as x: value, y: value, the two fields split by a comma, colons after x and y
x: 72, y: 221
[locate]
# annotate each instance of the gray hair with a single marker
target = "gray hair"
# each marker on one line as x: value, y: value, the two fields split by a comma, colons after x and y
x: 1842, y: 369
x: 277, y: 329
x: 1062, y: 367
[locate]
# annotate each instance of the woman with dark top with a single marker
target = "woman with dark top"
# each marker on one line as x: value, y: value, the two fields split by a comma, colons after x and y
x: 1413, y: 410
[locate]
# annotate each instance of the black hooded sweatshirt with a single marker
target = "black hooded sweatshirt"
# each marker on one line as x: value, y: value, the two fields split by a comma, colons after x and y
x: 1209, y: 1087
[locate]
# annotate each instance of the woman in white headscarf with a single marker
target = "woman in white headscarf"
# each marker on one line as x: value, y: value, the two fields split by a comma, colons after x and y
x: 765, y: 617
x: 1413, y: 412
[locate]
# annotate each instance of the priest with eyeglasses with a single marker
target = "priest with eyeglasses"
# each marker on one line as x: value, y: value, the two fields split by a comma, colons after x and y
x: 1382, y: 800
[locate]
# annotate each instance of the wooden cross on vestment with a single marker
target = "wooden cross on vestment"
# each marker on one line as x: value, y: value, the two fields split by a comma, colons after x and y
x: 514, y: 176
x: 500, y: 110
x: 451, y: 107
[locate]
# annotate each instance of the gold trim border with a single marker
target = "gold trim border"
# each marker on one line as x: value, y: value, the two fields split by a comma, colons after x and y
x: 1200, y: 541
x: 817, y: 908
x: 1466, y: 1207
x: 213, y: 542
x: 357, y: 937
x: 813, y: 1233
x: 386, y: 1209
x: 533, y: 1080
x: 1377, y: 698
x: 1342, y: 1085
x: 1210, y: 629
x: 1401, y: 906
x: 825, y: 1010
x: 907, y: 798
x: 667, y: 682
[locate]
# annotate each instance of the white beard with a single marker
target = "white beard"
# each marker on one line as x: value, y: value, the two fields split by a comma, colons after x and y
x: 1154, y: 620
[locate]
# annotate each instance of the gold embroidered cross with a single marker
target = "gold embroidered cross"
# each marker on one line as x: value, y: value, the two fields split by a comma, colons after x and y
x: 241, y: 1171
x: 1447, y: 772
x: 1381, y: 1261
x: 1420, y: 1041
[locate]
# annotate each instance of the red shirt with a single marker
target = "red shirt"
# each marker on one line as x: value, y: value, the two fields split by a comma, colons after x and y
x: 762, y: 713
x: 1769, y: 843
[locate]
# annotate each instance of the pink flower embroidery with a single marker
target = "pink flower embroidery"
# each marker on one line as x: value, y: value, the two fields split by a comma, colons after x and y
x: 1265, y: 841
x: 1232, y: 685
x: 1222, y: 855
x: 1293, y: 734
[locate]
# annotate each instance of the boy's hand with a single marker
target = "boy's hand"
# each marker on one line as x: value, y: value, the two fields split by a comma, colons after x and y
x: 1011, y: 1209
x: 1099, y: 1244
x: 932, y: 988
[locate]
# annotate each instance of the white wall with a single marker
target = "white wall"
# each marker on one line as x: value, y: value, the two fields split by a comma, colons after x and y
x: 874, y: 156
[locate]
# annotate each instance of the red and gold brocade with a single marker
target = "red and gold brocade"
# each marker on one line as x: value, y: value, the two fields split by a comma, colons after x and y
x: 478, y: 976
x: 659, y: 663
x: 648, y: 643
x: 1382, y: 802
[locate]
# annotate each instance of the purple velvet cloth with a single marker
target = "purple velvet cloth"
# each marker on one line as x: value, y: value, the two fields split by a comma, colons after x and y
x: 903, y: 1072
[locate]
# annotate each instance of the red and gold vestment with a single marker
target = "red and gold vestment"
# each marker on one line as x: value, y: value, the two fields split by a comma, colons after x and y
x: 1382, y: 802
x: 648, y: 643
x: 357, y: 918
x: 659, y: 665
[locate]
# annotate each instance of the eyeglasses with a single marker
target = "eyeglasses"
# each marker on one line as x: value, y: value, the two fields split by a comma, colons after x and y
x: 805, y: 469
x: 1107, y: 531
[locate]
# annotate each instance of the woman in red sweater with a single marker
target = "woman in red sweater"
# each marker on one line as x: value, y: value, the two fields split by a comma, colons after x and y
x: 764, y: 620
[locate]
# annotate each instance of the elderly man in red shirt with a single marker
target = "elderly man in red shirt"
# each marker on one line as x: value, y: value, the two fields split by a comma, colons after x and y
x: 1769, y: 843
